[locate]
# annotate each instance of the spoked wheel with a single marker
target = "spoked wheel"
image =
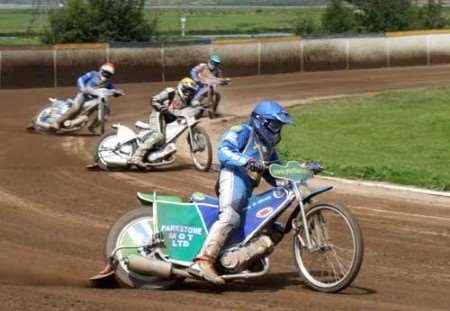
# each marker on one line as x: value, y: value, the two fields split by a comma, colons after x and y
x: 110, y: 155
x: 338, y: 248
x: 201, y: 150
x: 132, y: 231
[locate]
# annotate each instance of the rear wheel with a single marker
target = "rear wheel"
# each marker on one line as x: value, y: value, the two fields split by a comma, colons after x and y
x: 201, y: 149
x: 110, y: 155
x: 133, y: 230
x: 338, y: 248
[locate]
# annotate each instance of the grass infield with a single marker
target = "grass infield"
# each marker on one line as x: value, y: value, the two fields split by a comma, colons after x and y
x: 401, y: 137
x: 201, y: 21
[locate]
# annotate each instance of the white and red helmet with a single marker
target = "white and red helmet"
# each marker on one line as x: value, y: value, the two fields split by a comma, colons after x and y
x: 107, y: 70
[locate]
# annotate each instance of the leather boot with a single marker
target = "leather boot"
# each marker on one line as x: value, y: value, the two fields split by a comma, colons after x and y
x: 204, y: 268
x: 138, y: 158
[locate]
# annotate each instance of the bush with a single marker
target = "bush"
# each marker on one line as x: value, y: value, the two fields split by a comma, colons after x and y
x: 432, y: 15
x: 99, y: 21
x: 305, y: 25
x: 380, y: 15
x: 338, y: 17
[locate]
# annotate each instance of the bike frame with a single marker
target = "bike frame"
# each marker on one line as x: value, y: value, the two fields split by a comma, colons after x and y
x: 126, y: 135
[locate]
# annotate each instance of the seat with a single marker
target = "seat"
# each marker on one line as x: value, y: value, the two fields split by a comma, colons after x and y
x: 198, y: 197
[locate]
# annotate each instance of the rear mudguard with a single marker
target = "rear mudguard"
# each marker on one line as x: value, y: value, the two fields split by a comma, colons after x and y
x: 124, y: 134
x: 147, y: 199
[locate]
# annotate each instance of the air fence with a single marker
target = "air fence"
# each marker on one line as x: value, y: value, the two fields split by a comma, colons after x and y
x: 60, y: 65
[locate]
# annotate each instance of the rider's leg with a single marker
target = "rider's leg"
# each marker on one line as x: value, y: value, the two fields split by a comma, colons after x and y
x: 156, y: 122
x: 201, y: 92
x: 78, y: 103
x: 234, y: 192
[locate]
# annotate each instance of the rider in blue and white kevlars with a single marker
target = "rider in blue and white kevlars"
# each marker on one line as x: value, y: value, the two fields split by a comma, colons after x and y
x: 202, y: 72
x: 87, y: 84
x: 242, y: 153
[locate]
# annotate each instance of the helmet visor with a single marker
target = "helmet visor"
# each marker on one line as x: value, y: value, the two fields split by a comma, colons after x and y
x: 188, y: 92
x: 274, y: 126
x: 106, y: 74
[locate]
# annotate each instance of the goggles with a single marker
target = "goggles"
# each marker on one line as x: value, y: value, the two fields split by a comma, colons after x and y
x: 274, y: 126
x: 106, y: 74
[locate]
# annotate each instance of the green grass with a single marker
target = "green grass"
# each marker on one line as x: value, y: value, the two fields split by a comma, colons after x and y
x: 219, y: 21
x: 199, y: 21
x: 400, y: 136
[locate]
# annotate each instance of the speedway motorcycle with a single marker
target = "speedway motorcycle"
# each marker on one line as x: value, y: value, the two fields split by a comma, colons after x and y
x: 93, y: 114
x: 115, y: 149
x: 211, y: 98
x: 155, y: 246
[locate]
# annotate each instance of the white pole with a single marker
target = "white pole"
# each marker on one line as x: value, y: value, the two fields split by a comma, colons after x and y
x: 428, y: 50
x: 347, y: 51
x: 163, y: 63
x: 259, y: 57
x: 302, y: 47
x: 183, y: 26
x: 388, y: 52
x: 55, y: 68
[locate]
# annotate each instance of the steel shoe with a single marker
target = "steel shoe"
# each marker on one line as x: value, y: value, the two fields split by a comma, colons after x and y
x: 204, y: 268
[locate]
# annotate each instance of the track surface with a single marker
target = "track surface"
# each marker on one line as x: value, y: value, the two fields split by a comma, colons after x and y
x: 54, y: 214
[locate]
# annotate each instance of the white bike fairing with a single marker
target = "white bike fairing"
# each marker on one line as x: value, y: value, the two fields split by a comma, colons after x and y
x: 124, y: 134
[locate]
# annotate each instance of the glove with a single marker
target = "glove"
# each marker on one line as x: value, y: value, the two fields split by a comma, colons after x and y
x: 159, y: 107
x: 315, y: 167
x: 118, y: 93
x: 225, y: 81
x: 255, y: 166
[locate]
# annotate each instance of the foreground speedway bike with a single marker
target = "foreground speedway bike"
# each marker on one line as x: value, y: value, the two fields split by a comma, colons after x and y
x: 154, y: 246
x: 94, y: 113
x: 210, y: 99
x: 115, y: 149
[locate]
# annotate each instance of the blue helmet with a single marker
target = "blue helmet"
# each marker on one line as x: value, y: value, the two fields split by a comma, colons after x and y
x: 267, y: 119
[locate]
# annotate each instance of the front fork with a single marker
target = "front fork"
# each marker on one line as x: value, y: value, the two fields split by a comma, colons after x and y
x: 298, y: 196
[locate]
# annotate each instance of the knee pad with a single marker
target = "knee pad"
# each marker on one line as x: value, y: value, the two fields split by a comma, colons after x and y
x: 230, y: 217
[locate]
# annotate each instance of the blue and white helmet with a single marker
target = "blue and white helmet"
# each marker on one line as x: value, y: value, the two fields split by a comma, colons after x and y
x: 267, y: 119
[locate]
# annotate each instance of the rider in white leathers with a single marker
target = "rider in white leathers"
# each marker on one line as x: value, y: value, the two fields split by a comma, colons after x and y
x: 164, y: 106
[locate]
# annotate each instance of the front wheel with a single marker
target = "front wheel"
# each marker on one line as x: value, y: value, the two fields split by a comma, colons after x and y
x: 110, y: 155
x: 215, y: 105
x: 201, y: 149
x: 338, y: 249
x: 132, y: 231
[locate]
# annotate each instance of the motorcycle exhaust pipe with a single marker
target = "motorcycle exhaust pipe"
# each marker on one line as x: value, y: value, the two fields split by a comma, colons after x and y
x: 152, y: 267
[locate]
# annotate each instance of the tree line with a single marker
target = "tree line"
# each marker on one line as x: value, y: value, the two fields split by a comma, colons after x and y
x: 370, y: 16
x: 124, y: 20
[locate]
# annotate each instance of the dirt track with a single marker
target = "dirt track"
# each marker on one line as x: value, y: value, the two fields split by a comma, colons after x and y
x: 54, y: 214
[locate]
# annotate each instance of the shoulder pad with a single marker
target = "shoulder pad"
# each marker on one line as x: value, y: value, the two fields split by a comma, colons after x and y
x: 170, y: 90
x: 240, y: 128
x: 237, y: 128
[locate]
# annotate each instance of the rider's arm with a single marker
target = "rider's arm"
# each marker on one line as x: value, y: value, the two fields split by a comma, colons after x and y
x: 83, y: 82
x: 196, y: 72
x: 266, y: 175
x: 218, y: 73
x: 232, y: 142
x: 163, y: 99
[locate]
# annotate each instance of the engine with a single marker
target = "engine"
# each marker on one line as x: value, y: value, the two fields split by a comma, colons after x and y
x: 239, y: 259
